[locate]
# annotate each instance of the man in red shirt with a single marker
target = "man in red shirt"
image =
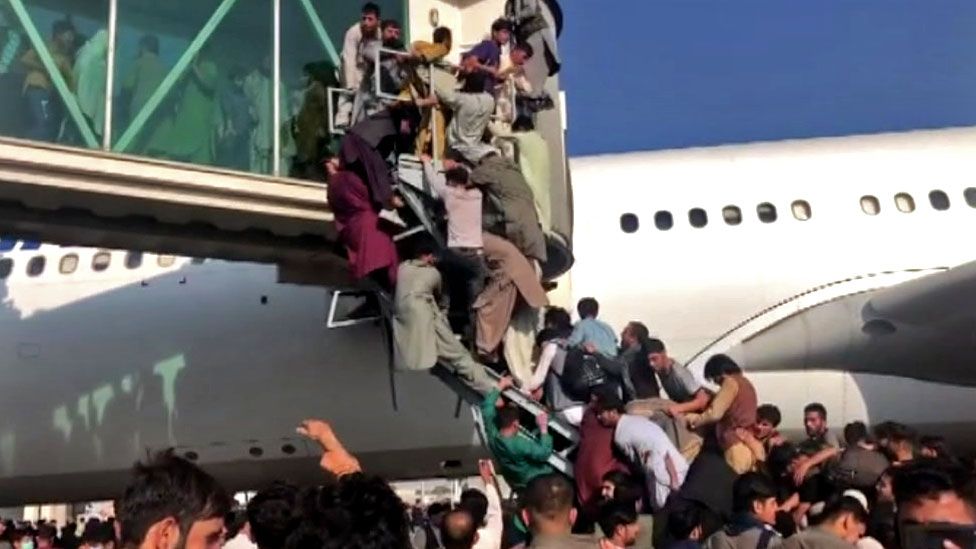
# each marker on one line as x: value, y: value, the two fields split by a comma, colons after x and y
x: 595, y: 457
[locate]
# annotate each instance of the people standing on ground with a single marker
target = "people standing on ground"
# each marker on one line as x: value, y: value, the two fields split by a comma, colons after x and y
x: 549, y: 513
x: 754, y: 506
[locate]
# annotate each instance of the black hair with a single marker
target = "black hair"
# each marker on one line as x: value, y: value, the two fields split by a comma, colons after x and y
x: 459, y: 530
x: 625, y: 490
x: 684, y: 518
x: 527, y: 48
x: 608, y: 402
x: 614, y: 515
x: 937, y: 444
x: 475, y: 502
x: 442, y: 34
x: 458, y: 175
x: 749, y: 488
x: 559, y: 320
x: 506, y: 416
x: 769, y: 413
x: 902, y: 433
x: 387, y: 23
x: 780, y: 457
x: 150, y: 43
x: 548, y: 496
x: 815, y: 407
x: 721, y: 365
x: 523, y: 123
x: 854, y: 432
x: 47, y: 531
x: 168, y: 486
x: 588, y: 307
x: 272, y: 515
x: 501, y: 24
x: 474, y: 82
x: 928, y: 479
x: 422, y: 247
x: 455, y: 155
x: 640, y: 331
x: 371, y: 8
x: 357, y: 511
x: 234, y: 522
x: 839, y: 506
x: 654, y: 345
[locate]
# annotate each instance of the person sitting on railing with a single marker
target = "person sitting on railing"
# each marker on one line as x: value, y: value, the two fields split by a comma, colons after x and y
x: 354, y: 60
x: 511, y: 84
x: 508, y: 308
x: 367, y: 101
x: 486, y: 57
x: 532, y: 28
x: 369, y: 247
x: 421, y: 331
x: 423, y: 54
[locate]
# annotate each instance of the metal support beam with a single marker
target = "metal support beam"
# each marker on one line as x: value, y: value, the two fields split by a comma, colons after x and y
x: 313, y: 18
x: 113, y: 18
x: 53, y: 73
x: 174, y: 75
x: 276, y: 90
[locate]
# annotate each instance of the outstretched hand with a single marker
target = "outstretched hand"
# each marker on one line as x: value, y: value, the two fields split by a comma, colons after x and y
x: 335, y: 458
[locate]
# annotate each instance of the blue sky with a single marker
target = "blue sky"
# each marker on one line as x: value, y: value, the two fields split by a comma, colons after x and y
x: 654, y: 74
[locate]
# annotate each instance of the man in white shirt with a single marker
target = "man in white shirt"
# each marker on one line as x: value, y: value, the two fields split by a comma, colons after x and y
x: 354, y: 47
x: 645, y: 443
x: 485, y: 508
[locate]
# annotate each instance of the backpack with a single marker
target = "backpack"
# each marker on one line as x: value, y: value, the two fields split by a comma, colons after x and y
x: 580, y: 374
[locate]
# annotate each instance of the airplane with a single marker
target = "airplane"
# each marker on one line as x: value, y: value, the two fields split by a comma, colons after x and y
x: 830, y: 268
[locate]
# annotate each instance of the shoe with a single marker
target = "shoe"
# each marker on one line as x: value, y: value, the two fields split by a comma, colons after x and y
x: 393, y: 217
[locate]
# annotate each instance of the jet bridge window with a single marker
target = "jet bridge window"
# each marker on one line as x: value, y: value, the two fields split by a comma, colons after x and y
x: 101, y: 261
x: 905, y: 203
x: 970, y: 196
x: 36, y: 266
x: 663, y: 220
x: 766, y: 212
x: 732, y: 215
x: 629, y: 223
x: 6, y: 267
x: 870, y: 205
x: 69, y: 264
x: 939, y: 200
x: 697, y: 217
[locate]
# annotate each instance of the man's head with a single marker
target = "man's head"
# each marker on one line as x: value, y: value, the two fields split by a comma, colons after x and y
x: 520, y: 53
x: 720, y: 366
x: 548, y: 505
x: 370, y: 20
x: 475, y: 502
x: 507, y: 419
x: 633, y: 334
x: 619, y: 523
x: 437, y: 511
x: 608, y: 408
x: 931, y: 493
x: 846, y: 517
x: 459, y: 530
x: 272, y: 514
x: 171, y: 503
x: 443, y: 36
x: 46, y: 534
x: 474, y: 82
x: 934, y: 447
x: 558, y: 320
x: 149, y: 43
x: 390, y: 31
x: 767, y: 420
x: 64, y: 34
x: 425, y: 251
x: 501, y: 31
x: 855, y: 433
x: 901, y: 442
x: 458, y: 177
x: 686, y: 521
x: 815, y: 419
x: 619, y: 486
x: 588, y: 308
x: 755, y: 494
x: 523, y: 124
x: 453, y: 159
x: 21, y: 539
x: 657, y: 355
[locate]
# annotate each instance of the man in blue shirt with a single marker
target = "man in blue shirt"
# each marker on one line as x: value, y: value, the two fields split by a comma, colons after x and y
x: 597, y: 333
x: 487, y: 56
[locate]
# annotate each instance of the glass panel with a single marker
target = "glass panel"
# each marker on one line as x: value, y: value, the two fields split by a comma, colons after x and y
x: 905, y: 203
x: 970, y: 195
x: 189, y: 80
x: 766, y: 212
x: 101, y: 261
x: 308, y: 69
x: 36, y: 265
x: 629, y: 223
x: 133, y: 260
x: 69, y: 264
x: 6, y: 267
x: 732, y: 215
x: 165, y: 261
x: 939, y: 200
x: 52, y: 70
x: 870, y: 205
x: 697, y: 217
x: 663, y: 220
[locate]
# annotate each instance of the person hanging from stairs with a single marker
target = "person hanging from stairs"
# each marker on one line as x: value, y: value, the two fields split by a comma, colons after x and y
x: 421, y: 331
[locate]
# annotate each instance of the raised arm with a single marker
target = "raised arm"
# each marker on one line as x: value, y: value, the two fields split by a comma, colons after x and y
x: 719, y: 405
x: 434, y: 178
x: 542, y: 369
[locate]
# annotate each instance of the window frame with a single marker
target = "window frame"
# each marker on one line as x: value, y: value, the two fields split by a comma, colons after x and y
x: 771, y: 208
x: 37, y: 259
x: 703, y: 221
x: 662, y: 215
x: 108, y: 263
x: 64, y: 259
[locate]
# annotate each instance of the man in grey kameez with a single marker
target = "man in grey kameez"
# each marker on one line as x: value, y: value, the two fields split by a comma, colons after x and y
x: 422, y: 334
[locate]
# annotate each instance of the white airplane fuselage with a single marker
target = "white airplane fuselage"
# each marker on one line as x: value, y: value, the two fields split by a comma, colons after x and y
x: 221, y: 361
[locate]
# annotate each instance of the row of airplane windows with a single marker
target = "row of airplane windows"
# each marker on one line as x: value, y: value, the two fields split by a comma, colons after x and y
x: 69, y: 263
x: 801, y: 210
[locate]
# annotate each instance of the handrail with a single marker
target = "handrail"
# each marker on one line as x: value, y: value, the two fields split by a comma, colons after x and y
x: 803, y: 301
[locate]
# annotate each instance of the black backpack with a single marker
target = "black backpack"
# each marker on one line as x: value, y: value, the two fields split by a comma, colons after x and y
x: 580, y: 374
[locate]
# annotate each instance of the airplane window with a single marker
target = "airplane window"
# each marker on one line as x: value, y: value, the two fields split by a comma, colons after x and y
x: 36, y: 265
x: 801, y: 210
x: 939, y: 200
x: 732, y: 215
x: 198, y: 261
x: 697, y: 217
x: 970, y: 196
x: 629, y: 223
x: 6, y: 267
x: 663, y: 220
x: 133, y: 260
x: 870, y: 205
x: 905, y: 203
x: 69, y: 264
x: 166, y: 261
x: 767, y: 212
x: 101, y: 261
